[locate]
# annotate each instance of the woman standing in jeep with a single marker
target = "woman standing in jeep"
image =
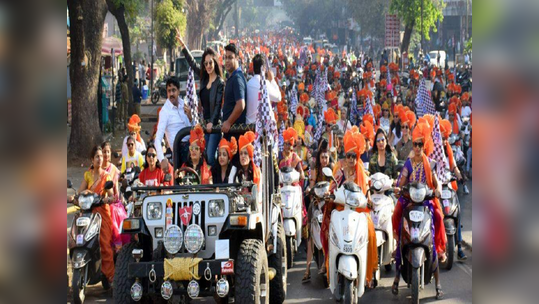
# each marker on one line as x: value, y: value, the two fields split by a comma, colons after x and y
x: 210, y: 94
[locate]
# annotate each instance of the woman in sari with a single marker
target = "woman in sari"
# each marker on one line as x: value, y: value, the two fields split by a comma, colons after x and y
x: 117, y: 209
x: 353, y: 171
x: 196, y: 160
x: 289, y: 158
x: 418, y: 168
x: 94, y: 181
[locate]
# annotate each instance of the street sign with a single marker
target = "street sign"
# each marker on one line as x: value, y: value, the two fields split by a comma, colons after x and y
x: 392, y: 37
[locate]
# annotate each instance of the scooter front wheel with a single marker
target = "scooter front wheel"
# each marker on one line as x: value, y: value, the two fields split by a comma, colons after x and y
x: 415, y: 285
x: 350, y: 292
x: 78, y: 286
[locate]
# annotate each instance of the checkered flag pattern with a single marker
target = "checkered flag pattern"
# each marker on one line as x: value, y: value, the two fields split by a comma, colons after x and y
x: 438, y: 154
x: 191, y: 96
x: 368, y: 109
x: 265, y: 122
x: 354, y: 112
x: 293, y: 100
x: 424, y: 100
x: 320, y: 90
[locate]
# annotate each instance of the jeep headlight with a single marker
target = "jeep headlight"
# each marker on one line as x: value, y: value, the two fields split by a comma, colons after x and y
x: 173, y: 239
x: 194, y: 238
x: 216, y: 208
x: 154, y: 211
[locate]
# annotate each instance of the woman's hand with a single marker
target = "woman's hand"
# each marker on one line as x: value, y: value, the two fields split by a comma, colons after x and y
x: 209, y: 126
x: 397, y: 191
x: 179, y: 38
x: 437, y: 193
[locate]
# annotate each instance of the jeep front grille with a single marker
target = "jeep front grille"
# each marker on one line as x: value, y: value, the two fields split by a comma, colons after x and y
x: 195, y: 219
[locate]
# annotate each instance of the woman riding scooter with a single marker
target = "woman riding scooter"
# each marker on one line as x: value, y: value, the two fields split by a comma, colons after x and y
x: 354, y: 146
x: 418, y: 169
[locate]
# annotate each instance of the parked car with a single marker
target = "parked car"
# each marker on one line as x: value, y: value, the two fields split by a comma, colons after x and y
x: 434, y: 58
x: 182, y: 69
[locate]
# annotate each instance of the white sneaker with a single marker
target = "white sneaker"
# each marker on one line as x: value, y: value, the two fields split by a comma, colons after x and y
x: 466, y: 191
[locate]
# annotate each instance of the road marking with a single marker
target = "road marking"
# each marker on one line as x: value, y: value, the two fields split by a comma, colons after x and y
x: 467, y: 269
x: 72, y: 209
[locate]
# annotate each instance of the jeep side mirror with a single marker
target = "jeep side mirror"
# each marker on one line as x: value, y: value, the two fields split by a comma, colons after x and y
x: 69, y: 184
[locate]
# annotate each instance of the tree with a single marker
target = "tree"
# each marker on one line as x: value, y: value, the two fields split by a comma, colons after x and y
x: 224, y: 7
x: 409, y: 11
x: 87, y: 21
x: 123, y: 10
x: 370, y: 15
x: 199, y: 13
x: 169, y: 18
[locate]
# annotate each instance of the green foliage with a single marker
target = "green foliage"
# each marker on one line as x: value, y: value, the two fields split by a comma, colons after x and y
x: 132, y: 8
x: 370, y: 15
x: 468, y: 48
x: 168, y: 18
x: 409, y: 11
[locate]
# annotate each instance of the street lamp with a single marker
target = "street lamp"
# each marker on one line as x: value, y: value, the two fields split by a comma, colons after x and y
x: 151, y: 53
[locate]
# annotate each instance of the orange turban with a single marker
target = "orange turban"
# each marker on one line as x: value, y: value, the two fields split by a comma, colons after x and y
x: 452, y: 108
x: 310, y: 88
x: 301, y: 87
x: 133, y: 124
x: 423, y: 132
x: 369, y: 118
x: 377, y: 109
x: 304, y: 97
x: 383, y: 84
x: 395, y: 81
x: 281, y: 107
x: 393, y: 67
x: 397, y: 111
x: 407, y: 117
x: 445, y: 128
x: 246, y: 142
x: 465, y: 96
x: 367, y: 129
x: 230, y: 146
x: 330, y: 116
x: 354, y: 142
x: 383, y: 69
x: 290, y: 135
x: 385, y: 106
x: 197, y: 137
x: 337, y: 75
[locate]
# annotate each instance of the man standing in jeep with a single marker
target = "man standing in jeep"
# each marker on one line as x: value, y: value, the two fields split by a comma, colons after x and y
x: 234, y: 107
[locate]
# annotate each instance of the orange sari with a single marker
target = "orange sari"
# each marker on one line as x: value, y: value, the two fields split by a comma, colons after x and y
x: 107, y: 227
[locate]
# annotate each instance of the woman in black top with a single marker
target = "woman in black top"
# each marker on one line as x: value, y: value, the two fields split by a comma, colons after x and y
x: 210, y: 94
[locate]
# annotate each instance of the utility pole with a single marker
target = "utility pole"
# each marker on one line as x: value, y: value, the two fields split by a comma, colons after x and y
x: 236, y: 19
x: 151, y: 55
x: 422, y: 42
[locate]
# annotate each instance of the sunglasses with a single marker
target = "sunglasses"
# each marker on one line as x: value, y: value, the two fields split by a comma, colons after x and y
x: 418, y: 144
x: 152, y: 155
x: 287, y: 144
x: 351, y: 155
x: 208, y: 63
x: 130, y: 144
x: 380, y: 140
x: 194, y: 148
x: 406, y: 127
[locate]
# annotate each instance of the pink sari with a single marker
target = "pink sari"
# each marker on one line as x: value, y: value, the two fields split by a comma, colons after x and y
x: 117, y: 209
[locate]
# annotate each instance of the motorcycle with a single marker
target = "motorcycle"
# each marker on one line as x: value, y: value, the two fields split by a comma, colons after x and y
x: 451, y: 208
x: 292, y: 211
x: 317, y: 202
x: 348, y: 234
x: 160, y: 90
x: 416, y: 241
x: 84, y: 248
x: 382, y: 211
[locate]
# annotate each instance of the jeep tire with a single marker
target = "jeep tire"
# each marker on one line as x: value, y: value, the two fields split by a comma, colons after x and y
x: 122, y: 284
x: 279, y: 263
x: 251, y: 269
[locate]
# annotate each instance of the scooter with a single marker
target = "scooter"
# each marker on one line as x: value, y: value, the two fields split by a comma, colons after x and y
x: 416, y: 242
x: 159, y: 90
x: 381, y: 214
x: 84, y: 249
x: 451, y: 208
x: 292, y: 211
x: 348, y: 234
x: 317, y: 202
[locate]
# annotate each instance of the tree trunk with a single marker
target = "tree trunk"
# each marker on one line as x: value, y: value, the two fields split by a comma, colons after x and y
x: 87, y: 21
x: 408, y: 29
x: 220, y: 18
x: 119, y: 14
x: 170, y: 58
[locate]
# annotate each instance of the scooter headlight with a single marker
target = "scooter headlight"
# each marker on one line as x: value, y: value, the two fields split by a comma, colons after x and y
x: 85, y: 202
x: 321, y: 190
x: 418, y: 195
x: 93, y: 229
x: 355, y: 199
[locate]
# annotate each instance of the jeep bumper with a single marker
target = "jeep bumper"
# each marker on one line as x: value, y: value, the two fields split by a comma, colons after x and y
x: 216, y: 267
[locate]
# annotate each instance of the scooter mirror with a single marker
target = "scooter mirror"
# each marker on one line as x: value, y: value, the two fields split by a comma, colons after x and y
x: 69, y: 184
x: 327, y: 172
x: 109, y: 185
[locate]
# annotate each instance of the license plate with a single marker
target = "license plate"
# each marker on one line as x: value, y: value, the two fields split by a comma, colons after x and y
x: 375, y: 219
x: 227, y: 267
x: 416, y: 216
x: 446, y: 194
x: 347, y: 248
x: 80, y: 239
